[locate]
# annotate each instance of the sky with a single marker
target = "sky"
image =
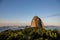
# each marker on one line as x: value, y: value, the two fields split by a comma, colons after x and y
x: 21, y: 12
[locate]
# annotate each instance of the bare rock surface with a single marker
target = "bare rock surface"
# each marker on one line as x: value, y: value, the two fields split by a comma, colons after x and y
x: 37, y: 22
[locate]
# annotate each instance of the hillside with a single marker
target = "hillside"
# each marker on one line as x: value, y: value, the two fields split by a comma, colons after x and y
x: 30, y: 34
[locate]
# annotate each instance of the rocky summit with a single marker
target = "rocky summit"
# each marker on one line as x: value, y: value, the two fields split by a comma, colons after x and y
x: 37, y: 22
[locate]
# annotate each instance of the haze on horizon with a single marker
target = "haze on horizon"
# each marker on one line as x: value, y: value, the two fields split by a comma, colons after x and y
x: 21, y: 12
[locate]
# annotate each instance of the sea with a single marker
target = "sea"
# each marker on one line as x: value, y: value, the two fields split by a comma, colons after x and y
x: 3, y: 28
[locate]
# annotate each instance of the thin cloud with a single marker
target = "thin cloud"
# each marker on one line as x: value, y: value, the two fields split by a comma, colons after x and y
x: 52, y: 15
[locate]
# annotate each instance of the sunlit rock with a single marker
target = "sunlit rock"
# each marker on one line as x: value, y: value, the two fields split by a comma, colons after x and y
x: 37, y: 22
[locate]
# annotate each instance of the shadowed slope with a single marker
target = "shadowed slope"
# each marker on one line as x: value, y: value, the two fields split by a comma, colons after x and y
x: 37, y: 22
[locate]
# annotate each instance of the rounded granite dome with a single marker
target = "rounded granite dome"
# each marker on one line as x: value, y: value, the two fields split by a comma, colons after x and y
x: 35, y: 17
x: 36, y: 22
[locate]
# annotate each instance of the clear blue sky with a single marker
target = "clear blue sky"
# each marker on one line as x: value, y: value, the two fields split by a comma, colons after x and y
x: 22, y: 11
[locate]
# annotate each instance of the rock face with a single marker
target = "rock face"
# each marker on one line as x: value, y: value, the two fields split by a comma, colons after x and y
x: 37, y: 22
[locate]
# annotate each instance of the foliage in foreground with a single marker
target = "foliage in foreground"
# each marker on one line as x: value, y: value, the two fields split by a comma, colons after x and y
x: 30, y: 34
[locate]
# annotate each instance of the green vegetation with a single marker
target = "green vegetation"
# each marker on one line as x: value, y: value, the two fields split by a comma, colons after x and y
x: 30, y: 34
